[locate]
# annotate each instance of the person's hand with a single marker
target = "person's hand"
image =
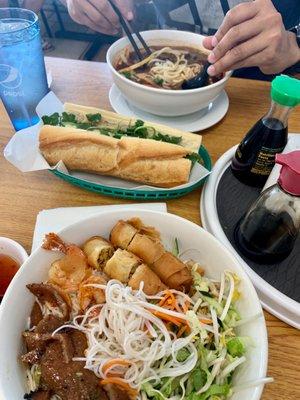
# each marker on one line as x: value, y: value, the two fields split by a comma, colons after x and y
x: 98, y: 14
x: 252, y: 34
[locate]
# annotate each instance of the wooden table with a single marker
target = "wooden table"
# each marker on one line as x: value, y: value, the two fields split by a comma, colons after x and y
x: 22, y: 196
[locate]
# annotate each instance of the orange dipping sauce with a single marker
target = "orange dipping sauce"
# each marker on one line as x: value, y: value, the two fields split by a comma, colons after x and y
x: 8, y: 269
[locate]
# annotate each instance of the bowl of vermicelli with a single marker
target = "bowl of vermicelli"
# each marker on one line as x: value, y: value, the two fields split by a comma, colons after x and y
x: 132, y: 305
x: 155, y: 83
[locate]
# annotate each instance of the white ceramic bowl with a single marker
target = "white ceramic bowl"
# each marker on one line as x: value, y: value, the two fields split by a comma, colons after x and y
x: 17, y: 302
x: 12, y: 249
x: 160, y: 101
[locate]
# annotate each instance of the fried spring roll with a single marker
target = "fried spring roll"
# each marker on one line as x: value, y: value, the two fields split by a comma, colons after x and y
x: 146, y: 248
x: 152, y: 283
x: 173, y: 272
x: 98, y: 252
x: 180, y: 280
x: 122, y: 234
x: 121, y: 265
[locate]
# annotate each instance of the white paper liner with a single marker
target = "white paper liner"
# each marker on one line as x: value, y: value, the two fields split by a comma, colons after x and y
x: 23, y: 152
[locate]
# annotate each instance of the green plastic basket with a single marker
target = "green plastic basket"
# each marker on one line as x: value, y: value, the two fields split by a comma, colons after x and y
x: 138, y: 194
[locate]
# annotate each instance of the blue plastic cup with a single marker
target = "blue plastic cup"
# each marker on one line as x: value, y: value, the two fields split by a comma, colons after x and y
x: 23, y: 80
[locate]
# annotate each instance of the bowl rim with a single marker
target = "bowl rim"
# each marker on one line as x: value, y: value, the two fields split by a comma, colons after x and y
x: 158, y: 90
x: 18, y: 248
x: 263, y: 363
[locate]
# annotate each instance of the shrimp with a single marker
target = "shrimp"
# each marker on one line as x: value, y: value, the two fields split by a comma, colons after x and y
x: 69, y: 271
x: 90, y: 294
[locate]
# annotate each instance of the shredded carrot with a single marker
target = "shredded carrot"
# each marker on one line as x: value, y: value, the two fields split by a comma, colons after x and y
x: 205, y: 321
x: 115, y: 361
x: 115, y: 374
x: 120, y: 382
x: 176, y: 321
x: 186, y: 306
x: 181, y: 331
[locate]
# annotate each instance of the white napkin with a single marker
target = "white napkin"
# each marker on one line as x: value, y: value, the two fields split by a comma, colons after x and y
x: 292, y: 145
x: 56, y: 219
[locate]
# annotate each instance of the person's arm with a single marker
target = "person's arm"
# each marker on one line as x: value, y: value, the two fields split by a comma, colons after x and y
x: 98, y: 14
x: 252, y: 34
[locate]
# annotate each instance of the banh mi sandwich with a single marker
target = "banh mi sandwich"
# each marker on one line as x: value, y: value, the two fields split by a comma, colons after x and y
x: 105, y: 143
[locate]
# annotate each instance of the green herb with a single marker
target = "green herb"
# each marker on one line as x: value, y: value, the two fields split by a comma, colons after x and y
x: 194, y: 157
x: 206, y: 293
x: 83, y: 125
x: 94, y: 118
x: 68, y: 118
x: 159, y: 81
x: 167, y: 138
x: 138, y: 129
x: 53, y: 119
x: 182, y: 354
x: 127, y: 74
x: 175, y: 250
x: 215, y: 390
x: 198, y: 378
x: 236, y: 347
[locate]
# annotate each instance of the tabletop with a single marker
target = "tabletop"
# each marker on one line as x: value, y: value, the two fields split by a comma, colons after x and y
x: 22, y: 196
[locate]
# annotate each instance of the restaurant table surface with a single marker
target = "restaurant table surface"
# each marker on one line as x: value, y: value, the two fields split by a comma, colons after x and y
x: 22, y: 196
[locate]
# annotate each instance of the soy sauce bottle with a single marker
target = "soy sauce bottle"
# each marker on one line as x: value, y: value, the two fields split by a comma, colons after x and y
x: 255, y: 156
x: 268, y: 231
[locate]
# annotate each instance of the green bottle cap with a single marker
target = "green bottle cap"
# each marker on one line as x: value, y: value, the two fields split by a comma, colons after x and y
x: 286, y: 91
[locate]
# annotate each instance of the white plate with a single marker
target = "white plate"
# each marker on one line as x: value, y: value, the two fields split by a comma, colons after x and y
x: 195, y: 122
x: 212, y: 255
x: 277, y: 303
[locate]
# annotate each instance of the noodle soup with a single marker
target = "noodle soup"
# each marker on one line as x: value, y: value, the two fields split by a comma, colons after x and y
x: 166, y: 68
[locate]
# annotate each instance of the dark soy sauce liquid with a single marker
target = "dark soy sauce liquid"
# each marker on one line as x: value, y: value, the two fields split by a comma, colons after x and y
x: 266, y: 237
x: 255, y: 156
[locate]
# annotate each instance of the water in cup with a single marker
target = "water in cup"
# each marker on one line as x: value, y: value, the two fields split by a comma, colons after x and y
x: 23, y: 81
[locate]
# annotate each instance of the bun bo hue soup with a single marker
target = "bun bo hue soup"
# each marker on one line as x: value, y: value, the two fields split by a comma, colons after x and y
x: 166, y: 67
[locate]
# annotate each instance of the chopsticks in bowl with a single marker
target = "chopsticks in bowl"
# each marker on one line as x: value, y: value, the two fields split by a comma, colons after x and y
x: 127, y: 28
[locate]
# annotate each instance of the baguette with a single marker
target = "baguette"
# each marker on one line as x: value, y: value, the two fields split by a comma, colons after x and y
x: 139, y: 160
x: 190, y: 141
x: 147, y: 161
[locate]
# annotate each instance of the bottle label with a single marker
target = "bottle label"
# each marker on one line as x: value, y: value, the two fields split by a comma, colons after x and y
x: 265, y: 161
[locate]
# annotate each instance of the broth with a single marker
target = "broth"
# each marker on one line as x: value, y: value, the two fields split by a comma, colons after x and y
x: 166, y: 67
x: 8, y: 268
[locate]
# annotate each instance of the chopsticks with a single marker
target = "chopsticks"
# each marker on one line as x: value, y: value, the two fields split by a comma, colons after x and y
x: 127, y: 28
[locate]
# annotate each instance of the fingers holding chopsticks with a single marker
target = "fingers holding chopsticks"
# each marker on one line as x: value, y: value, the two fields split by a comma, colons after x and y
x: 99, y: 15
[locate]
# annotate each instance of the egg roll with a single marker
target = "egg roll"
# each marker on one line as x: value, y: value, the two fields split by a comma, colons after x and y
x: 122, y: 234
x: 173, y: 272
x: 146, y: 248
x: 152, y: 283
x: 98, y: 251
x: 121, y: 265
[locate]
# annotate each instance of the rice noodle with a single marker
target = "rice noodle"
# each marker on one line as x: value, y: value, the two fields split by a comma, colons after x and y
x: 126, y: 329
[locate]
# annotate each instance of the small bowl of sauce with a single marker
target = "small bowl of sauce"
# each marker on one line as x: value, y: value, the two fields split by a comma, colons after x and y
x: 12, y: 256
